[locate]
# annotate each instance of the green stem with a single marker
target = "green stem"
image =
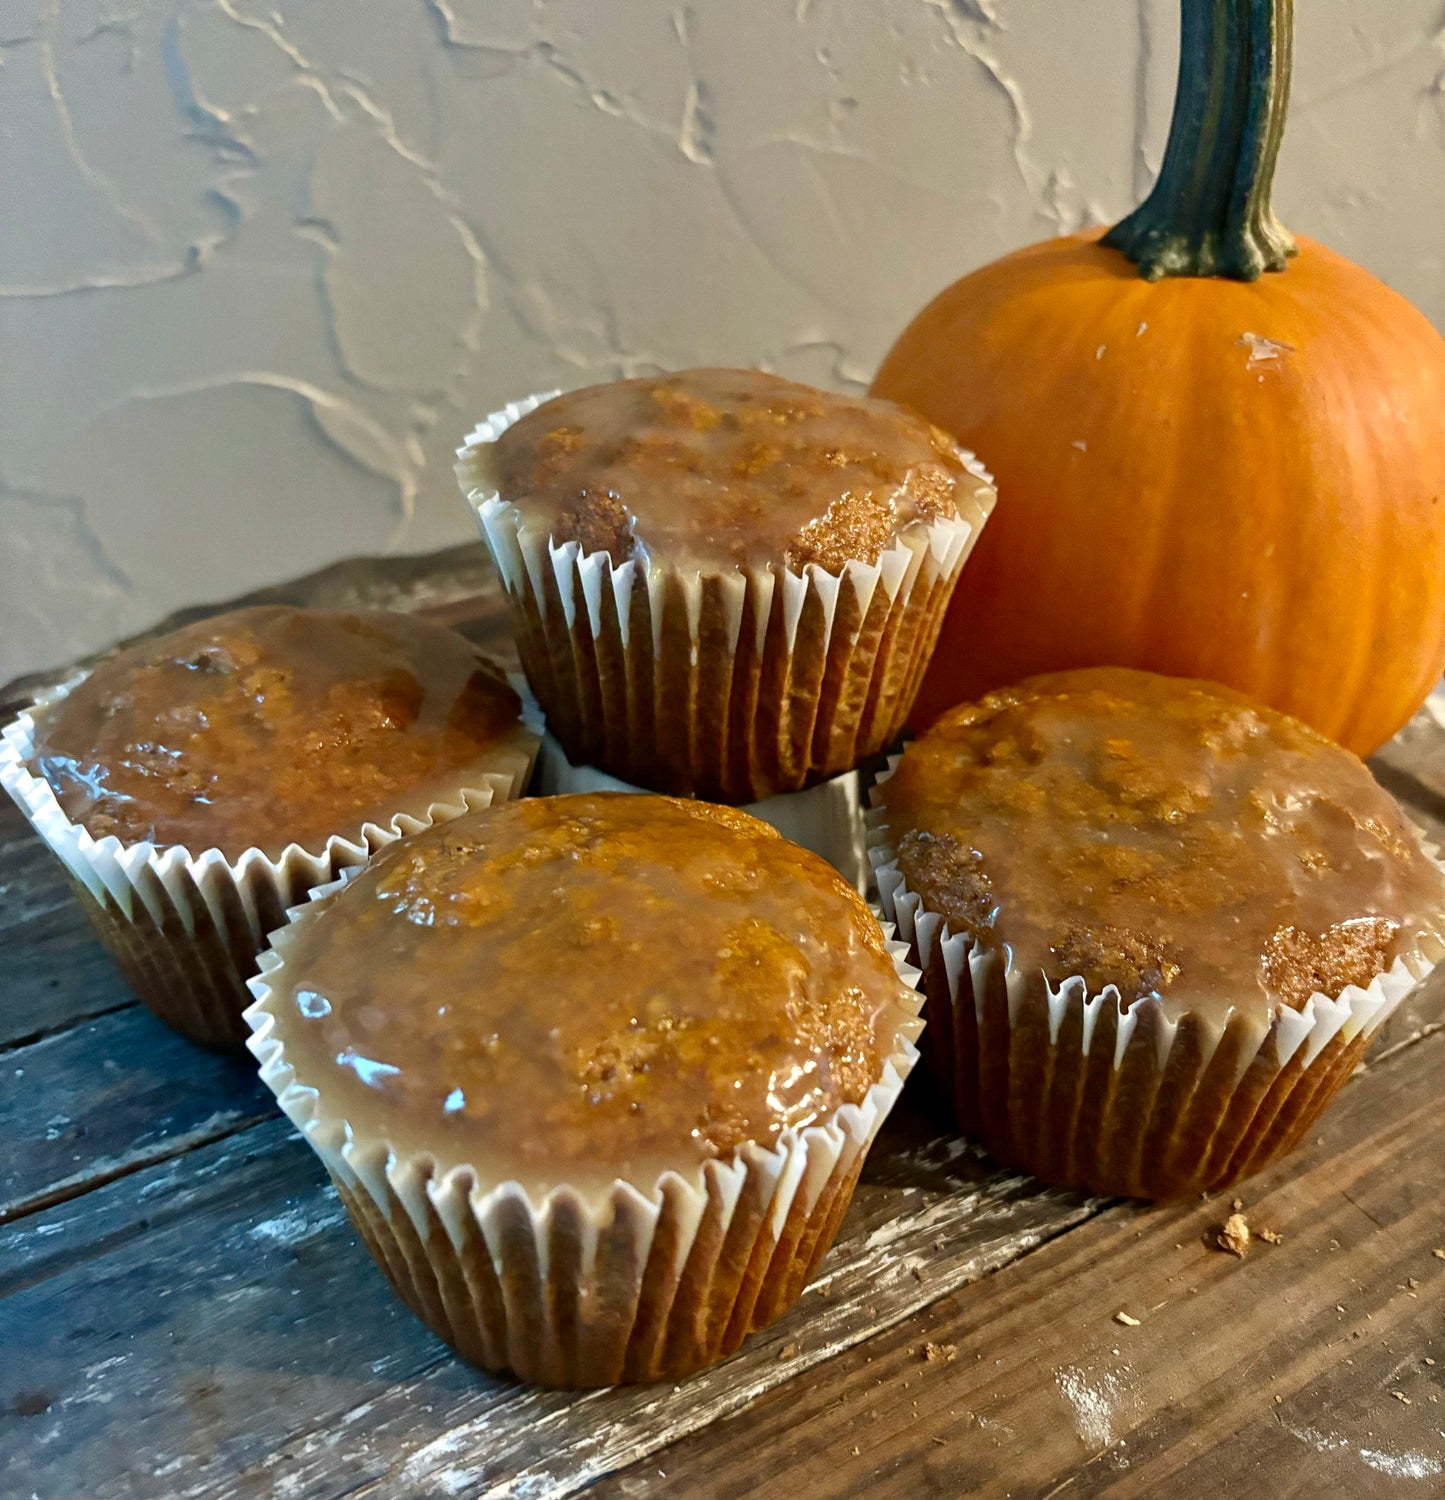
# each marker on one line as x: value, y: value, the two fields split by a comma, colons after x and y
x: 1209, y: 213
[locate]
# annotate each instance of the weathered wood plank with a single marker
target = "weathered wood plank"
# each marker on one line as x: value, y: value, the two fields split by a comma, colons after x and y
x: 1412, y: 765
x: 245, y: 1297
x: 320, y: 1348
x: 100, y: 1100
x: 248, y: 1286
x: 53, y: 972
x: 49, y: 1242
x: 1275, y: 1373
x: 903, y: 1248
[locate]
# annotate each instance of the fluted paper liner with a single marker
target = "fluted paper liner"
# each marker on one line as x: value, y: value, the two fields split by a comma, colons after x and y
x: 185, y: 928
x: 826, y: 818
x: 635, y: 1282
x: 734, y: 684
x: 1088, y: 1093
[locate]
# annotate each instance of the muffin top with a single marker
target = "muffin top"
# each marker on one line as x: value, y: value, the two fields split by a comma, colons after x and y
x: 271, y: 726
x: 573, y: 989
x: 717, y: 469
x: 1169, y: 837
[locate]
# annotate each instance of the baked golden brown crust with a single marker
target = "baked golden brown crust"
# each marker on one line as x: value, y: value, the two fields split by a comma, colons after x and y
x: 585, y: 987
x: 271, y: 725
x: 1168, y: 837
x: 731, y: 468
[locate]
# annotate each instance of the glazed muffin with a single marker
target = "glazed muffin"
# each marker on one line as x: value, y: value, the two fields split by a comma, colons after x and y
x: 1158, y: 924
x: 593, y: 1074
x: 724, y: 584
x: 199, y: 784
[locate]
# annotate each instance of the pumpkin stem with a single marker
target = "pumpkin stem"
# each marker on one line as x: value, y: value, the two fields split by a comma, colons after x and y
x: 1209, y: 213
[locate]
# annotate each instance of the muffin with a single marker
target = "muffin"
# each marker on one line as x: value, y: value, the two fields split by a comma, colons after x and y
x: 826, y: 819
x: 723, y: 584
x: 594, y: 1074
x: 1158, y: 924
x: 198, y: 784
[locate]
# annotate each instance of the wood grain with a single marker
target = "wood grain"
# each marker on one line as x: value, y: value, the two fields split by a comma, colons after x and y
x: 229, y: 1283
x: 246, y: 1283
x: 54, y: 972
x: 54, y: 1240
x: 100, y: 1100
x: 1283, y: 1364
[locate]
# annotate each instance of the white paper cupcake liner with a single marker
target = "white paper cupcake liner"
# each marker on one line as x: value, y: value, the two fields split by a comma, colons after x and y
x: 638, y: 1281
x: 185, y: 928
x: 1086, y: 1092
x: 826, y: 818
x: 734, y: 685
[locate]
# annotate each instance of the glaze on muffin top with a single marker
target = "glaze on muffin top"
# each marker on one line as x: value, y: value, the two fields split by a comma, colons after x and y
x: 271, y: 725
x: 1169, y: 837
x: 732, y: 469
x: 577, y: 988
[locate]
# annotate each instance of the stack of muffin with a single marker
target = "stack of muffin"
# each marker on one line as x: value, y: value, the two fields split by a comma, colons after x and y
x: 595, y: 1072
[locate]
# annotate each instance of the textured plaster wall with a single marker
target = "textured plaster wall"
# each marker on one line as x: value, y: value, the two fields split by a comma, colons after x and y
x: 262, y: 261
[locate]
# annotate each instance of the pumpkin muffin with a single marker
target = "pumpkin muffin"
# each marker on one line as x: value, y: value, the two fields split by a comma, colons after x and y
x: 1158, y: 923
x: 199, y: 784
x: 724, y: 584
x: 594, y: 1074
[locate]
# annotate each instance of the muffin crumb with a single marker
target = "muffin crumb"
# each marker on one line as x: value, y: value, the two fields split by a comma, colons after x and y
x: 1235, y: 1235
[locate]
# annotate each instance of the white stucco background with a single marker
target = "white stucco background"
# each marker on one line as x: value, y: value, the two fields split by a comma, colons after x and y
x: 263, y: 261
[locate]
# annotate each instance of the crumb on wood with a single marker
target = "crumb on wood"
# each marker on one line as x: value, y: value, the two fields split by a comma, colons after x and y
x: 1401, y: 1397
x: 1125, y: 1319
x: 787, y: 1351
x: 1438, y: 1254
x: 1238, y: 1205
x: 1234, y: 1235
x: 940, y: 1354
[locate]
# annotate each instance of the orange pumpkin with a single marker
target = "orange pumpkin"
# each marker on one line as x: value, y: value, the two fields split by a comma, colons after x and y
x: 1237, y: 479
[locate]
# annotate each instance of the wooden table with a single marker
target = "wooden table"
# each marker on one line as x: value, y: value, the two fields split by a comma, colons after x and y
x: 184, y: 1310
